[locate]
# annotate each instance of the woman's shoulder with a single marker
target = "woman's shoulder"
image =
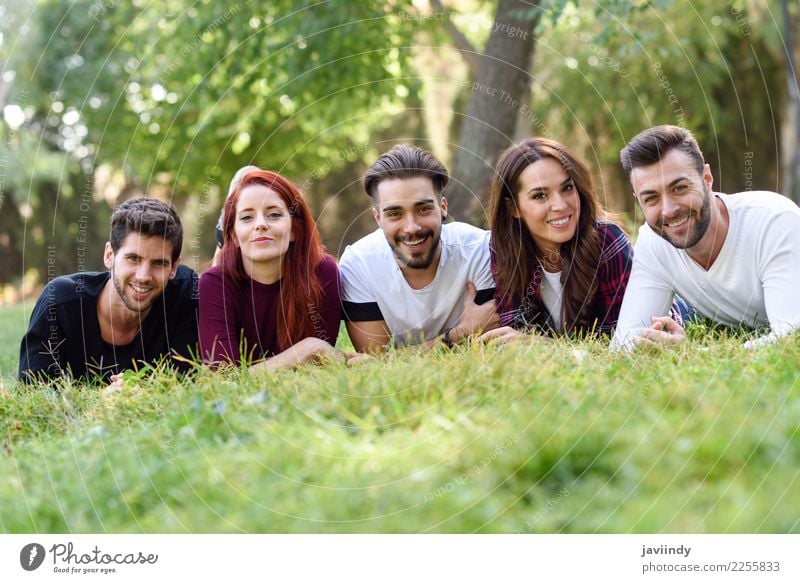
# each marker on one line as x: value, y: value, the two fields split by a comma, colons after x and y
x: 327, y: 268
x: 608, y: 228
x: 211, y: 275
x: 614, y: 241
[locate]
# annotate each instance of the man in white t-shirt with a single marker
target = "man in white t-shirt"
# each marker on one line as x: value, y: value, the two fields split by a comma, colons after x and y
x: 734, y: 257
x: 415, y: 280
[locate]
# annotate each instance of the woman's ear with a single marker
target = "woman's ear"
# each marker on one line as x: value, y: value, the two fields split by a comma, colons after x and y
x: 511, y: 205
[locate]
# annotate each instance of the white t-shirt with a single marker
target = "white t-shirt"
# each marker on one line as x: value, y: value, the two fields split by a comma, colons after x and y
x: 551, y: 290
x: 373, y: 287
x: 755, y: 281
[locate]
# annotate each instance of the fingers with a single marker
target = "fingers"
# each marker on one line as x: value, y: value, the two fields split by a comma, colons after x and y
x: 325, y: 352
x: 492, y: 334
x: 115, y: 386
x: 642, y: 341
x: 660, y: 336
x: 666, y: 323
x: 502, y: 335
x: 352, y: 358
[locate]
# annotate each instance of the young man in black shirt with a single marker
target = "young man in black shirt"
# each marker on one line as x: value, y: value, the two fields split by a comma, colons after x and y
x: 96, y: 325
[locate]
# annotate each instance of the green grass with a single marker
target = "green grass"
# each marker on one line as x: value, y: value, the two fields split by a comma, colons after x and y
x: 13, y: 323
x: 537, y: 437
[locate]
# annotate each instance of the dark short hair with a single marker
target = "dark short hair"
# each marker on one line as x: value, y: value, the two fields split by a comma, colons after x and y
x: 651, y: 145
x: 149, y: 217
x: 405, y: 161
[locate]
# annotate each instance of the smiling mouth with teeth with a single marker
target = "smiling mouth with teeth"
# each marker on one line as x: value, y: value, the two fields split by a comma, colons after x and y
x: 140, y: 290
x: 678, y: 222
x: 559, y: 222
x: 414, y: 242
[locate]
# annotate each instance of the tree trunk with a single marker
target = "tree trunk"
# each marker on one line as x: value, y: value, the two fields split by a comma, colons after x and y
x: 499, y: 94
x: 791, y: 186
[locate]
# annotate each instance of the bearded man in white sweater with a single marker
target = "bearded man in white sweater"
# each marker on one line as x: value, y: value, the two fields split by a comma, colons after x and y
x: 734, y: 257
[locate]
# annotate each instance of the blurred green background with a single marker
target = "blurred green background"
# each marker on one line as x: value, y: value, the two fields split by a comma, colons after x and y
x: 104, y: 100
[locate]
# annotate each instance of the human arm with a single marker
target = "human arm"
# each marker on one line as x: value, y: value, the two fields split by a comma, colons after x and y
x: 647, y: 294
x: 370, y: 336
x: 42, y: 349
x: 366, y: 325
x: 479, y: 312
x: 779, y: 272
x: 311, y: 349
x: 475, y: 318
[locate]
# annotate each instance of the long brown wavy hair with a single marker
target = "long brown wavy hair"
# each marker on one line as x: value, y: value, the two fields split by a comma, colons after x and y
x: 300, y: 289
x: 515, y: 249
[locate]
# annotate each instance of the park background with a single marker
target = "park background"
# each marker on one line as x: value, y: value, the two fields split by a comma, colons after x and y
x: 104, y: 100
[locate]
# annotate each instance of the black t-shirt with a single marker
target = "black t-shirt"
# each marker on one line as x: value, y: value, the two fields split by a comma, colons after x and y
x: 63, y: 337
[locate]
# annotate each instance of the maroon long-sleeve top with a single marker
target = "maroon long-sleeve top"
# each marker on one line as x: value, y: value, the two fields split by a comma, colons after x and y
x: 241, y: 317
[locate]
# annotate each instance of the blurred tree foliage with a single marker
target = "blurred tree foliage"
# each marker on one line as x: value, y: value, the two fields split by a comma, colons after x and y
x: 603, y: 71
x: 177, y: 95
x: 607, y: 71
x: 106, y: 99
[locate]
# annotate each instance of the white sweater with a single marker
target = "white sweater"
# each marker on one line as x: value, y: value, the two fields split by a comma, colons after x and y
x: 754, y: 282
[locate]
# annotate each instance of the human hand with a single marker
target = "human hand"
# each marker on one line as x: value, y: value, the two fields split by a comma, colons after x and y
x: 664, y: 330
x: 352, y: 358
x: 502, y: 335
x: 313, y: 349
x: 475, y: 318
x: 115, y: 386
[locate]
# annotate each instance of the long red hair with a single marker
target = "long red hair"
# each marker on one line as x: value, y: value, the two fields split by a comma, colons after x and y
x: 300, y: 288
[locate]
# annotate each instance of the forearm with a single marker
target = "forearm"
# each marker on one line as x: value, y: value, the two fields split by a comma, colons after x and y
x: 369, y: 337
x: 644, y: 298
x: 310, y: 349
x: 41, y: 359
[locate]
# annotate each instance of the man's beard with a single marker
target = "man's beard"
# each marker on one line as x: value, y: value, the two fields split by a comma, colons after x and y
x: 130, y: 304
x: 412, y: 261
x: 701, y: 222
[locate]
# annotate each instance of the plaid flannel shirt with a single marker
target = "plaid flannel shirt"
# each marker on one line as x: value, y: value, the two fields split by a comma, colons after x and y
x: 613, y: 272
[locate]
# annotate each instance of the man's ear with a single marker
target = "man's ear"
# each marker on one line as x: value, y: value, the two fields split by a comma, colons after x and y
x: 108, y: 256
x: 443, y: 206
x: 708, y: 178
x: 175, y: 265
x: 376, y: 215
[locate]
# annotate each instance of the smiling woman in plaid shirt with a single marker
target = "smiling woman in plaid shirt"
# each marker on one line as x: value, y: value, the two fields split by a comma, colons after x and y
x: 560, y: 263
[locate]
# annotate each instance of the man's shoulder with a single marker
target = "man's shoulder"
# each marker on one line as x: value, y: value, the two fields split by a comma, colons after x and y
x: 76, y: 286
x: 464, y: 239
x: 183, y: 285
x: 760, y: 201
x: 372, y: 245
x: 464, y: 234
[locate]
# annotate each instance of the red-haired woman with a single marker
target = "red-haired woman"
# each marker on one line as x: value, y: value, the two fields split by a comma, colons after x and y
x: 273, y: 299
x: 560, y: 264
